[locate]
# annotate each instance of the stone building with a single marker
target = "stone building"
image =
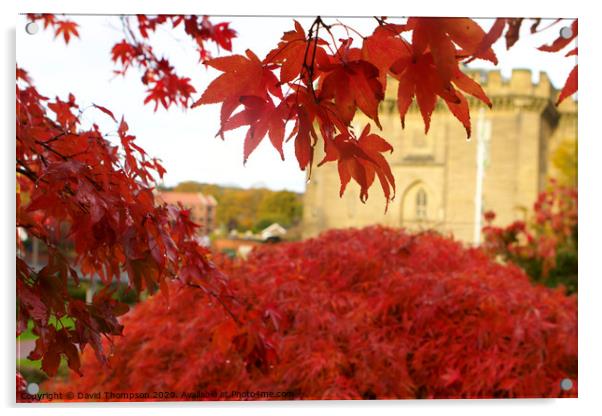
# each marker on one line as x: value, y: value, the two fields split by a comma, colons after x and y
x: 437, y: 175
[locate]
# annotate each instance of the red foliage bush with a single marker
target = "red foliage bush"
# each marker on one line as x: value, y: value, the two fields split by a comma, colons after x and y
x: 371, y: 313
x: 546, y: 246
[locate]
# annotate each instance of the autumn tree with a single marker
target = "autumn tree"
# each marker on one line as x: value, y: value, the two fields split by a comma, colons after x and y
x: 309, y: 86
x: 72, y: 181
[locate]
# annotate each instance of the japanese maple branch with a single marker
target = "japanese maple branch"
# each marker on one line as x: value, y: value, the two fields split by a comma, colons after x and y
x: 310, y: 69
x: 218, y: 298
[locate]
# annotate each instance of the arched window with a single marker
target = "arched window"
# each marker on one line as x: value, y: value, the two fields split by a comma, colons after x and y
x: 421, y: 202
x: 416, y: 211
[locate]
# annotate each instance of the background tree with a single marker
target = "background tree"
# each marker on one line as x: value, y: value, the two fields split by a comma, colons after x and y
x: 566, y: 161
x: 282, y: 207
x: 249, y: 209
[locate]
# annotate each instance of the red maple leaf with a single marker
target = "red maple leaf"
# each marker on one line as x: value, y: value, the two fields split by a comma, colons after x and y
x: 570, y: 86
x: 383, y: 48
x: 106, y: 111
x: 63, y: 112
x: 306, y: 138
x: 353, y: 83
x: 222, y: 35
x: 419, y: 77
x: 170, y: 88
x: 441, y: 35
x: 124, y: 52
x: 262, y: 117
x: 67, y: 28
x: 361, y: 159
x: 561, y: 41
x: 295, y: 52
x: 243, y: 76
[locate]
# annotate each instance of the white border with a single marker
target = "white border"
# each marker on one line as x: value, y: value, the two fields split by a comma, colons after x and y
x: 590, y: 347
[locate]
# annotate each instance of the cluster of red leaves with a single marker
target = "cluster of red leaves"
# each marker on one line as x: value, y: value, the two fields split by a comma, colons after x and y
x: 62, y: 27
x: 163, y: 85
x: 553, y: 227
x: 370, y: 313
x: 91, y: 205
x: 327, y: 83
x: 513, y: 26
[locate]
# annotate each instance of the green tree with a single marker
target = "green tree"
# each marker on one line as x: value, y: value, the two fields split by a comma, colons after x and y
x: 249, y: 209
x: 283, y: 207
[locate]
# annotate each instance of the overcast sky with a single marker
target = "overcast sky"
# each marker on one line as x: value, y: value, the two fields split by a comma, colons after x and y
x: 184, y: 140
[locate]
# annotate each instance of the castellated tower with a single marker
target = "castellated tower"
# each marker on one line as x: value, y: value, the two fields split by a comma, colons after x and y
x: 436, y: 175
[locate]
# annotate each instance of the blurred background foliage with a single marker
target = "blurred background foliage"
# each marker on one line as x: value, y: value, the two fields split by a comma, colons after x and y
x: 249, y: 209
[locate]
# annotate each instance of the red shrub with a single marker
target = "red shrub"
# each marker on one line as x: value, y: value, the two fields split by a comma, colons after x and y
x: 546, y: 246
x: 371, y: 313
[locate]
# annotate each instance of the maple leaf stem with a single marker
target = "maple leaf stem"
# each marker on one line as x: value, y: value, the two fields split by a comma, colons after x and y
x: 127, y: 30
x: 55, y: 138
x: 66, y: 158
x: 219, y: 299
x: 28, y: 173
x: 380, y: 20
x: 334, y: 43
x: 50, y: 149
x: 313, y: 57
x: 535, y: 29
x: 310, y: 68
x: 43, y: 159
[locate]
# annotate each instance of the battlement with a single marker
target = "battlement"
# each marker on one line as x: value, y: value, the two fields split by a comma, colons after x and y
x: 519, y: 83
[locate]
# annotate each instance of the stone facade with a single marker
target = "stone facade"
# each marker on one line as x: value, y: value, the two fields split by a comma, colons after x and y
x: 436, y: 174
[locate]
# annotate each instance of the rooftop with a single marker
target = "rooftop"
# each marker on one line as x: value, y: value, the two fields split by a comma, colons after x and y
x: 187, y: 198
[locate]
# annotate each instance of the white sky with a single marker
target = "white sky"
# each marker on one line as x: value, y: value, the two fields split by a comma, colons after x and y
x: 184, y: 140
